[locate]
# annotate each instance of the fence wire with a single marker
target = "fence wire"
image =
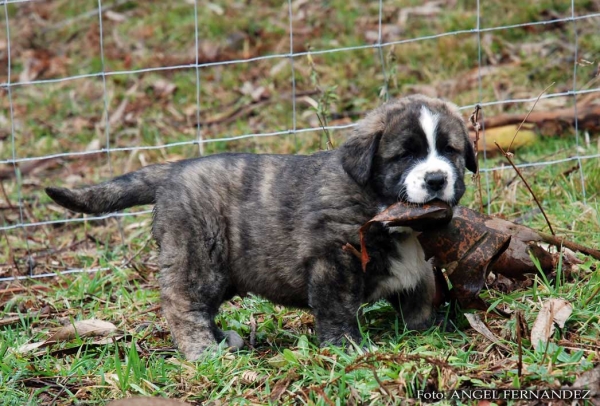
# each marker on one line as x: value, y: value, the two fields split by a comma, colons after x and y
x: 7, y: 87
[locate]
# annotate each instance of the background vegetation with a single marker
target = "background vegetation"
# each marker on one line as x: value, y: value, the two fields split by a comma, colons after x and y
x: 41, y: 114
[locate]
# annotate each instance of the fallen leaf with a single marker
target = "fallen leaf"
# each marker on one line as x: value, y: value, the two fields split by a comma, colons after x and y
x: 589, y: 380
x: 31, y: 346
x: 249, y: 377
x: 94, y: 145
x: 428, y: 9
x: 163, y: 88
x: 553, y: 311
x: 278, y: 390
x: 114, y: 16
x: 215, y: 8
x: 478, y: 325
x: 83, y: 328
x: 282, y: 385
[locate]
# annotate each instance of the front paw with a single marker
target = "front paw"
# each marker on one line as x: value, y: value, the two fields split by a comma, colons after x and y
x: 443, y: 322
x: 435, y: 319
x: 233, y: 340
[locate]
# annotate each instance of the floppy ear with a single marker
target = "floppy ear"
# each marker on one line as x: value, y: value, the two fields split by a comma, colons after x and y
x: 470, y: 158
x: 360, y: 149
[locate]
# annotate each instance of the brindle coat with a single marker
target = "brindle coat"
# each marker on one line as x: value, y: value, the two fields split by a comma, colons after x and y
x: 274, y: 225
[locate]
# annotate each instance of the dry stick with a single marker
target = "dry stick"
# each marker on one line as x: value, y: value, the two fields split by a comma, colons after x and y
x: 138, y: 252
x: 10, y: 205
x: 326, y: 131
x: 383, y: 388
x: 528, y: 113
x: 252, y: 331
x: 558, y: 242
x: 474, y: 119
x: 519, y: 343
x: 508, y: 154
x: 321, y: 393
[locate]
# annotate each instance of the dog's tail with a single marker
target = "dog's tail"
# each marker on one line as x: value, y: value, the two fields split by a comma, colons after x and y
x: 132, y: 189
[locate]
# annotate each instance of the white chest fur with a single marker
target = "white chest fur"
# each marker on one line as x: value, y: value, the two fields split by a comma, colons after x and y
x: 406, y: 271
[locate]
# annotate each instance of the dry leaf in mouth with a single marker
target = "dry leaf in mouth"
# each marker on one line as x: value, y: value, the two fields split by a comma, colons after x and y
x: 406, y: 215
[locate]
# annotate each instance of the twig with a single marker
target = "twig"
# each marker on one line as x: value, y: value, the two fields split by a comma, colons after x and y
x: 383, y: 388
x: 138, y: 252
x: 16, y: 319
x: 474, y: 119
x: 323, y: 122
x: 321, y: 393
x: 238, y: 112
x: 323, y: 101
x: 587, y: 113
x: 528, y: 113
x: 519, y: 317
x: 252, y: 331
x: 150, y: 310
x: 558, y: 242
x: 10, y: 205
x: 61, y: 391
x: 507, y: 154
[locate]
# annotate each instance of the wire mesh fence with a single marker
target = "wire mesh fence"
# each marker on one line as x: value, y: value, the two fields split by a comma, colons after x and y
x: 97, y: 88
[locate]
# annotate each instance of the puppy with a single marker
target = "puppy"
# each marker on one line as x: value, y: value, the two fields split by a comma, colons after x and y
x: 274, y: 225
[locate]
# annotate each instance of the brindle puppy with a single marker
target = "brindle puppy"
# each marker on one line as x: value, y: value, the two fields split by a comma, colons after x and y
x: 274, y: 225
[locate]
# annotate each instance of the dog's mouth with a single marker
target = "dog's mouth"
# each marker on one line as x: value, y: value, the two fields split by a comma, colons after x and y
x: 429, y: 198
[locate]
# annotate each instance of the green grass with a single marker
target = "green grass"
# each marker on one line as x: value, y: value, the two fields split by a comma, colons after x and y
x: 143, y: 362
x: 285, y: 365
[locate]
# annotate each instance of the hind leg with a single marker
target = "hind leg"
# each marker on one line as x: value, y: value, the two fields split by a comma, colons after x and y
x: 194, y: 282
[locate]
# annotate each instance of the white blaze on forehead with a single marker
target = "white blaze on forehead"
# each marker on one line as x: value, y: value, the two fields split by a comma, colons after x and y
x: 429, y: 122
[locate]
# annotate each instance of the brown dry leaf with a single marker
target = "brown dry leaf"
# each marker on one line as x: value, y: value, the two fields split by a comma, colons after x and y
x: 428, y: 9
x: 255, y: 92
x: 553, y: 311
x: 466, y: 248
x: 31, y: 346
x: 163, y: 88
x: 83, y: 328
x: 249, y: 377
x: 479, y: 326
x: 589, y: 380
x: 281, y: 386
x: 406, y: 215
x: 114, y: 16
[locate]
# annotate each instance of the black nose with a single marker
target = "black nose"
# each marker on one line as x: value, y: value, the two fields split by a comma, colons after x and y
x: 435, y: 181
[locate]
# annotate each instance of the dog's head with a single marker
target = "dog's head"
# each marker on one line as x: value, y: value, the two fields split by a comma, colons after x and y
x: 413, y: 149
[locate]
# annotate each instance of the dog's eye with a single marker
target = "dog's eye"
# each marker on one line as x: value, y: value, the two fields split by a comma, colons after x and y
x: 404, y: 155
x: 450, y: 150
